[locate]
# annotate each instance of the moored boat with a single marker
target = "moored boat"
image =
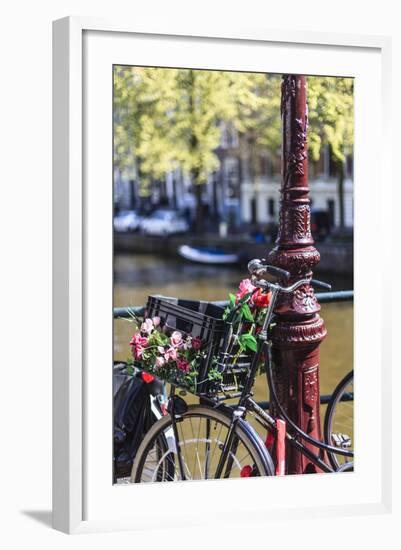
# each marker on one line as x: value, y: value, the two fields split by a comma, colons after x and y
x: 207, y: 255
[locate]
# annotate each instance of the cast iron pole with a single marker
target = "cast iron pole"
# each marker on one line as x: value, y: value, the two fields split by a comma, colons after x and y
x: 299, y: 329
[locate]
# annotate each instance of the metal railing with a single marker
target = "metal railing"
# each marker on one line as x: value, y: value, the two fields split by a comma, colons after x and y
x: 323, y: 298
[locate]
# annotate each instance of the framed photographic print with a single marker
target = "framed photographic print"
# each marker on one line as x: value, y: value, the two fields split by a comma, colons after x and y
x: 216, y: 197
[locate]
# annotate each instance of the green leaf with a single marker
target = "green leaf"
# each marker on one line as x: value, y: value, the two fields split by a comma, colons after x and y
x: 226, y: 313
x: 245, y: 298
x: 248, y: 341
x: 245, y: 310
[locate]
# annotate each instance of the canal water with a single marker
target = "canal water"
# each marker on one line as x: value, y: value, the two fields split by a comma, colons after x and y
x: 137, y: 276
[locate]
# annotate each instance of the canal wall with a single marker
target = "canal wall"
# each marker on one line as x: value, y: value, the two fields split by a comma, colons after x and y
x: 334, y: 257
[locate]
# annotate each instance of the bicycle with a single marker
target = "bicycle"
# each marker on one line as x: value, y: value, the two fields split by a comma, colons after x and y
x: 336, y: 420
x: 213, y: 440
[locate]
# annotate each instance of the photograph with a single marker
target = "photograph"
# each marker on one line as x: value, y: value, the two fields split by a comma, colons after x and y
x: 207, y: 201
x: 233, y: 274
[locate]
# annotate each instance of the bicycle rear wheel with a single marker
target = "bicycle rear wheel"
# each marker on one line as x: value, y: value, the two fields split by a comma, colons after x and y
x: 201, y: 435
x: 339, y: 422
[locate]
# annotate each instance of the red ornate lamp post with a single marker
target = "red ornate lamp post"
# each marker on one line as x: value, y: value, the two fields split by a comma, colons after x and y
x: 299, y: 329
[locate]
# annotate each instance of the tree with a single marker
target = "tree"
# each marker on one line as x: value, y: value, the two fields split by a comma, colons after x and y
x: 259, y: 117
x: 207, y: 99
x: 201, y: 105
x: 331, y: 118
x: 144, y: 99
x: 172, y: 118
x: 330, y: 102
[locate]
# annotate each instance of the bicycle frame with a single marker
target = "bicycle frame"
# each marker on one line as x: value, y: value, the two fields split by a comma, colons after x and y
x: 294, y: 435
x: 246, y: 403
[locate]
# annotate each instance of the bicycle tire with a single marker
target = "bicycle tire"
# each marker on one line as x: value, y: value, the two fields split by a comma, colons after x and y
x: 329, y: 418
x: 260, y: 460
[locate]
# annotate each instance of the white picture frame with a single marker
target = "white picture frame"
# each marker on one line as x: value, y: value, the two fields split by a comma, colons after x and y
x: 81, y: 49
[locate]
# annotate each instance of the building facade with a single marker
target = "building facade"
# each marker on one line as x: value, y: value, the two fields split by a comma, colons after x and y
x: 245, y: 188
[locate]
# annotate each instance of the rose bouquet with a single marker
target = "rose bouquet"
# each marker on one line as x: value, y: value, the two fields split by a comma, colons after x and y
x: 245, y: 313
x: 173, y: 357
x: 177, y: 357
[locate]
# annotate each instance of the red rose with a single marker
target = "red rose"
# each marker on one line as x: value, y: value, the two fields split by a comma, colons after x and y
x: 261, y: 299
x: 183, y: 365
x: 196, y: 342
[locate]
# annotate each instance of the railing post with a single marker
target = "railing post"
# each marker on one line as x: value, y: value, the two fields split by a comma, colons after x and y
x: 299, y: 329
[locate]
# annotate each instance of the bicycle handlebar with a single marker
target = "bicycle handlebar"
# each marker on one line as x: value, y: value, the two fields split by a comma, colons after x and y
x: 257, y: 269
x: 262, y: 283
x: 315, y: 282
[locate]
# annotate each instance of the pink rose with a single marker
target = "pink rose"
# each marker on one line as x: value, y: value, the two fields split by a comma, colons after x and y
x: 139, y: 340
x: 156, y: 321
x: 196, y: 343
x: 183, y: 365
x: 138, y: 344
x: 176, y: 338
x: 147, y: 326
x: 171, y: 354
x: 245, y: 287
x: 160, y: 361
x: 138, y: 351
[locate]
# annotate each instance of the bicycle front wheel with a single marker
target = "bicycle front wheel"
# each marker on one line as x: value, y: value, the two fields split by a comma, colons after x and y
x: 201, y: 432
x: 339, y: 422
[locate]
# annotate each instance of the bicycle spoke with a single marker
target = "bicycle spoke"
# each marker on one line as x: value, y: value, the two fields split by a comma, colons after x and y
x: 183, y: 449
x: 207, y: 449
x: 196, y: 450
x: 218, y: 439
x: 199, y: 441
x: 339, y: 429
x: 242, y: 459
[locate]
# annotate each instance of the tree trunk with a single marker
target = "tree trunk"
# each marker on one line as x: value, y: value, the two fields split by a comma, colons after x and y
x: 215, y: 198
x: 341, y: 194
x: 198, y: 188
x: 132, y: 195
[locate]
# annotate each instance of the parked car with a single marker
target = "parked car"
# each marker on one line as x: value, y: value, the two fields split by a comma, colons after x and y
x: 127, y: 220
x: 164, y: 222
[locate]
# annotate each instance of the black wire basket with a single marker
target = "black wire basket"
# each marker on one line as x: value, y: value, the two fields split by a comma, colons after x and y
x: 203, y: 320
x: 233, y: 364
